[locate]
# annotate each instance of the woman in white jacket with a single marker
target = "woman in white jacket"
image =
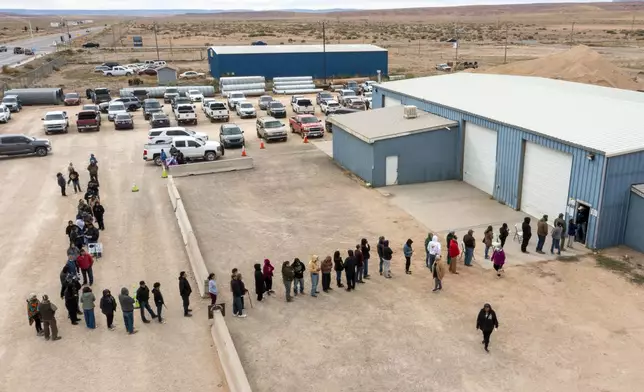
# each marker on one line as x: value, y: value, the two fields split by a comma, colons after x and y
x: 434, y: 249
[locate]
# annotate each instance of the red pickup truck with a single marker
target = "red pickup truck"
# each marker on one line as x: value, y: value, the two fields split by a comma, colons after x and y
x: 88, y: 120
x: 306, y: 125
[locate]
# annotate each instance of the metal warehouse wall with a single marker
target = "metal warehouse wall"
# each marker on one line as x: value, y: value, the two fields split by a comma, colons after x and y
x: 353, y: 154
x: 422, y: 157
x: 621, y: 172
x: 586, y: 176
x: 270, y: 65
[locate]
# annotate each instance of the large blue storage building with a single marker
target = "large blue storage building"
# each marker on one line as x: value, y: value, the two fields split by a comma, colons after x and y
x: 332, y: 61
x: 538, y: 145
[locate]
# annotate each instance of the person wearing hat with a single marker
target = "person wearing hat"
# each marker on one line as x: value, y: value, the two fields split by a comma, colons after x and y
x: 32, y: 313
x: 469, y: 243
x: 487, y: 323
x: 314, y: 268
x: 47, y: 312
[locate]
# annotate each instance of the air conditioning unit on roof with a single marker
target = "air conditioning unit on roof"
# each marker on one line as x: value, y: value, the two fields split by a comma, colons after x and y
x: 410, y: 111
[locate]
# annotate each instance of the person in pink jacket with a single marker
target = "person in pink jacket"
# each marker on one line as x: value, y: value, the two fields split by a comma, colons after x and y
x: 267, y: 271
x: 498, y: 258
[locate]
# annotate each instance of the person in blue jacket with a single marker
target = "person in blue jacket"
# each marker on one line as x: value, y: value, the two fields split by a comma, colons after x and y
x: 408, y: 251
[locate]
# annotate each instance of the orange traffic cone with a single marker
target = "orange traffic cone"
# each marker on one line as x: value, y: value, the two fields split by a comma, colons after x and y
x: 261, y: 145
x: 306, y: 139
x: 243, y: 151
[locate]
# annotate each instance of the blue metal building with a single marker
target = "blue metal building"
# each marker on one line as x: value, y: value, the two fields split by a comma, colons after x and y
x: 332, y: 61
x: 538, y: 145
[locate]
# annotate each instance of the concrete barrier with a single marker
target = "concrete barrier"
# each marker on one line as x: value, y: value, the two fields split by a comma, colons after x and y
x: 233, y: 370
x: 219, y: 166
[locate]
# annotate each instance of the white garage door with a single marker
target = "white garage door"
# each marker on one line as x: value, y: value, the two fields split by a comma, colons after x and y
x: 391, y: 102
x: 479, y: 158
x: 546, y: 179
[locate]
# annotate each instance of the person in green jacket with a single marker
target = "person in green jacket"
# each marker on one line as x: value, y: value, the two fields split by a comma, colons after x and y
x: 449, y: 237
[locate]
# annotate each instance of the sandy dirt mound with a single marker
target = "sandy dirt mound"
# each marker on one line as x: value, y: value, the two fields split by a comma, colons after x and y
x: 579, y: 64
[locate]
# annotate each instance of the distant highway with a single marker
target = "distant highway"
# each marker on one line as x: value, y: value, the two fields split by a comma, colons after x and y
x: 41, y: 44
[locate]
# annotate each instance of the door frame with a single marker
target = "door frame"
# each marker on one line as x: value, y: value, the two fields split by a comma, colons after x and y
x: 395, y: 182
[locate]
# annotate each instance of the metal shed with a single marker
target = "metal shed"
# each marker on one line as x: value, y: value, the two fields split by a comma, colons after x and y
x: 166, y: 75
x: 38, y: 96
x: 384, y: 148
x: 319, y: 61
x: 542, y: 146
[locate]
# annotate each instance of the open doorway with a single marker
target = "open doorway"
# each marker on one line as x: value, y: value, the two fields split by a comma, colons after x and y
x: 582, y: 214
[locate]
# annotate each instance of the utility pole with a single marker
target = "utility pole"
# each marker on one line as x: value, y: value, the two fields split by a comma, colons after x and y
x: 456, y: 45
x: 156, y: 42
x: 171, y: 53
x: 324, y: 49
x: 505, y: 49
x: 572, y: 31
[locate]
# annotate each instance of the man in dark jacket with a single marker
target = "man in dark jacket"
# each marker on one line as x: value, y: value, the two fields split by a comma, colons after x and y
x: 185, y: 290
x: 158, y: 300
x: 469, y: 243
x: 61, y: 183
x: 99, y: 211
x: 68, y: 230
x: 72, y: 285
x: 486, y: 322
x: 47, y: 312
x: 143, y: 296
x: 288, y: 274
x: 350, y: 270
x: 127, y: 307
x: 527, y: 234
x: 93, y: 170
x: 298, y: 271
x: 560, y: 219
x: 542, y: 233
x: 108, y: 307
x: 357, y: 254
x: 380, y: 248
x: 91, y: 234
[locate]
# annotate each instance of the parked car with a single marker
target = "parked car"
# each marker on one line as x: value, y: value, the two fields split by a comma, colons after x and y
x: 55, y: 122
x: 110, y: 64
x: 191, y: 75
x: 352, y: 85
x: 443, y: 67
x: 165, y: 135
x: 151, y: 106
x: 29, y: 52
x: 14, y: 144
x: 148, y: 71
x: 178, y: 100
x: 88, y: 120
x: 234, y: 97
x: 92, y: 107
x: 123, y: 121
x: 264, y: 101
x: 337, y: 112
x: 191, y: 148
x: 140, y: 94
x: 217, y: 111
x: 18, y: 50
x: 344, y: 94
x: 276, y: 110
x: 115, y: 108
x: 12, y: 102
x: 131, y: 103
x: 231, y: 135
x: 258, y: 43
x: 100, y: 95
x: 367, y: 86
x: 159, y: 120
x: 195, y: 96
x: 3, y: 48
x: 169, y: 94
x: 329, y: 106
x: 356, y: 103
x: 302, y: 105
x: 323, y: 96
x: 184, y: 114
x: 72, y: 99
x: 270, y: 128
x: 245, y: 109
x: 205, y: 103
x: 306, y: 125
x: 118, y: 71
x: 91, y: 45
x: 5, y: 114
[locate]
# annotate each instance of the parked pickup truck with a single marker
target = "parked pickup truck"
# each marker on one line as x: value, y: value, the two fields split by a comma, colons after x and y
x: 88, y: 120
x: 12, y: 144
x: 170, y: 94
x: 100, y: 95
x: 306, y: 125
x: 192, y: 149
x: 185, y: 114
x: 302, y: 105
x: 55, y: 122
x: 217, y: 111
x: 119, y: 71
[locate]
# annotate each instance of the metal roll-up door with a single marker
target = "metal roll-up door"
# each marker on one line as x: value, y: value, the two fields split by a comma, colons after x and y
x: 479, y: 158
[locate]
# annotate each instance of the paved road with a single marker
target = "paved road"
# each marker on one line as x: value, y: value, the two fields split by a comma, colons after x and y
x: 42, y: 44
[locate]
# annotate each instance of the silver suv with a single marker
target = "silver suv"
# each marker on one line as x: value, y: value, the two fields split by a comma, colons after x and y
x: 270, y: 128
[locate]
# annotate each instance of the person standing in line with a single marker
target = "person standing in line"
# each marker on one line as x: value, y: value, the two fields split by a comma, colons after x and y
x: 359, y: 264
x: 380, y: 248
x: 298, y: 271
x: 159, y: 302
x: 542, y: 233
x: 64, y: 276
x: 87, y: 299
x: 143, y: 296
x: 448, y: 242
x: 108, y: 307
x: 438, y: 272
x: 350, y: 270
x: 326, y: 268
x: 453, y: 252
x: 33, y: 315
x: 527, y: 234
x: 93, y: 171
x: 504, y: 232
x: 212, y: 290
x: 70, y: 168
x: 487, y: 323
x: 259, y: 282
x: 268, y: 277
x: 47, y: 312
x: 99, y: 212
x: 562, y: 220
x: 185, y: 290
x: 92, y: 159
x: 127, y: 307
x: 72, y: 264
x: 387, y: 254
x: 74, y: 178
x: 164, y: 159
x: 427, y: 241
x: 338, y: 266
x: 556, y: 238
x: 498, y: 259
x: 469, y: 243
x: 408, y: 252
x: 366, y: 255
x: 434, y: 250
x: 68, y: 230
x: 85, y: 263
x: 314, y: 269
x: 72, y: 285
x: 61, y: 183
x: 488, y: 236
x: 572, y: 231
x: 288, y: 274
x: 239, y: 289
x: 91, y: 234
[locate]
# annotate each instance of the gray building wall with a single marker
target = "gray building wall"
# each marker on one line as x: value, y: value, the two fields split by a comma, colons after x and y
x: 633, y: 233
x: 353, y: 154
x: 166, y: 75
x: 422, y: 157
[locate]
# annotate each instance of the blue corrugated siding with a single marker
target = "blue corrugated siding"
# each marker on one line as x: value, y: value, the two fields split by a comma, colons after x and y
x: 621, y: 173
x: 633, y: 234
x: 586, y: 176
x: 270, y: 65
x: 353, y: 154
x: 422, y: 157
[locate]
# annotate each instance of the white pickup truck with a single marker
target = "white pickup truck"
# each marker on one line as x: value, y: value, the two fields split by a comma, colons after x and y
x: 118, y: 71
x: 301, y: 105
x: 217, y: 111
x: 192, y: 149
x: 55, y: 122
x: 185, y: 114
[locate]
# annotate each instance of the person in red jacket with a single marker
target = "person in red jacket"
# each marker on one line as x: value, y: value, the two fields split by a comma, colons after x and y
x: 85, y: 263
x: 454, y: 252
x: 267, y: 271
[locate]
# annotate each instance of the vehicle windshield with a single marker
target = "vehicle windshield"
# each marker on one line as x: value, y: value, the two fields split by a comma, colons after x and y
x: 101, y: 91
x: 54, y: 117
x: 123, y: 117
x: 246, y: 105
x: 9, y: 99
x: 194, y: 92
x: 349, y: 93
x: 304, y: 102
x: 116, y: 106
x: 326, y: 95
x: 160, y: 117
x: 217, y: 106
x: 185, y: 109
x: 237, y: 95
x: 333, y: 104
x: 266, y: 99
x: 171, y: 91
x: 152, y: 105
x: 231, y: 131
x: 309, y: 120
x: 276, y: 105
x: 72, y: 95
x: 273, y: 124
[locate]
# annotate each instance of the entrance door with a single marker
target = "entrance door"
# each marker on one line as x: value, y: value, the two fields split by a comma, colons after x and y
x: 479, y: 157
x: 391, y: 170
x: 634, y: 236
x: 388, y: 102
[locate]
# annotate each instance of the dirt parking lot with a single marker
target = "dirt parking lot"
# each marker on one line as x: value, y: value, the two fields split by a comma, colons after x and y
x: 572, y: 321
